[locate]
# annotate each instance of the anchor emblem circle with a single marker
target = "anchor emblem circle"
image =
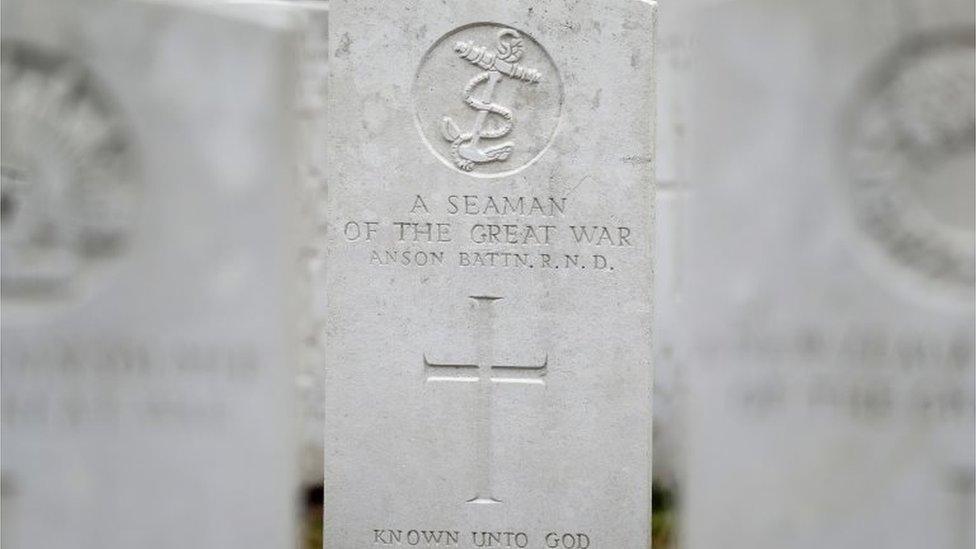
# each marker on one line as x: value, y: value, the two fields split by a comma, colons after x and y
x: 488, y: 99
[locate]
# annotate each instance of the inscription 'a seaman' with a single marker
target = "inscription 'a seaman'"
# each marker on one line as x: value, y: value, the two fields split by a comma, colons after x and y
x: 470, y: 204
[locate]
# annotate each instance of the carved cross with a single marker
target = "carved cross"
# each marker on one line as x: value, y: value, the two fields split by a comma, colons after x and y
x: 485, y: 373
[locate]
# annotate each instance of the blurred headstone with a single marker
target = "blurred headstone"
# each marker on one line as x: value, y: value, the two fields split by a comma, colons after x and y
x: 310, y: 19
x: 829, y: 277
x: 148, y: 269
x: 674, y: 51
x: 489, y: 274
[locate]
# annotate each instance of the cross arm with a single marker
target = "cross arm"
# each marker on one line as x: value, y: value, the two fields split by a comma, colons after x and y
x: 436, y: 371
x: 517, y: 373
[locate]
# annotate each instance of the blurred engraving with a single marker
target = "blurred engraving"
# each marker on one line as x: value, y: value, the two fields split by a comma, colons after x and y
x: 912, y: 162
x: 67, y: 176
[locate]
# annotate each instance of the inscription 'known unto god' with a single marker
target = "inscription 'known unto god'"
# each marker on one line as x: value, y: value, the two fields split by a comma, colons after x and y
x: 419, y: 537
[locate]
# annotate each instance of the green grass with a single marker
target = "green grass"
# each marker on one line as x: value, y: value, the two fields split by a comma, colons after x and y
x: 664, y: 525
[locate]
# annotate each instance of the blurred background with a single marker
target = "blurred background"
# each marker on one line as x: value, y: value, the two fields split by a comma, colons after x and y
x: 814, y: 301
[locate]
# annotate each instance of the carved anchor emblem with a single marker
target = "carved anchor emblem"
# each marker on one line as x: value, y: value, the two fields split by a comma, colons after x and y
x: 464, y: 146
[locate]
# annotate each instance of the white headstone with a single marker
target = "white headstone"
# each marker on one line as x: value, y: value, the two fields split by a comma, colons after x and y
x: 310, y: 20
x: 148, y: 264
x: 489, y: 274
x: 830, y: 277
x: 671, y: 173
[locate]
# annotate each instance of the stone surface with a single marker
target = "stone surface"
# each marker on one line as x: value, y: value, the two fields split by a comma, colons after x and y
x: 310, y: 19
x: 489, y: 274
x: 313, y: 26
x: 830, y: 277
x: 147, y: 277
x: 671, y: 173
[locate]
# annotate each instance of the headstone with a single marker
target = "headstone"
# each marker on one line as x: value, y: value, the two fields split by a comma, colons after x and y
x: 313, y: 130
x: 147, y: 273
x: 830, y: 277
x: 310, y: 18
x: 671, y: 174
x: 489, y: 274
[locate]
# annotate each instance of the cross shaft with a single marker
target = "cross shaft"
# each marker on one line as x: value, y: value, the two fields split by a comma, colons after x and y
x: 482, y: 373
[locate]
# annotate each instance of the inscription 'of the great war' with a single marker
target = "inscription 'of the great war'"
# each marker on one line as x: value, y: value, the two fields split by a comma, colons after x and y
x: 498, y: 231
